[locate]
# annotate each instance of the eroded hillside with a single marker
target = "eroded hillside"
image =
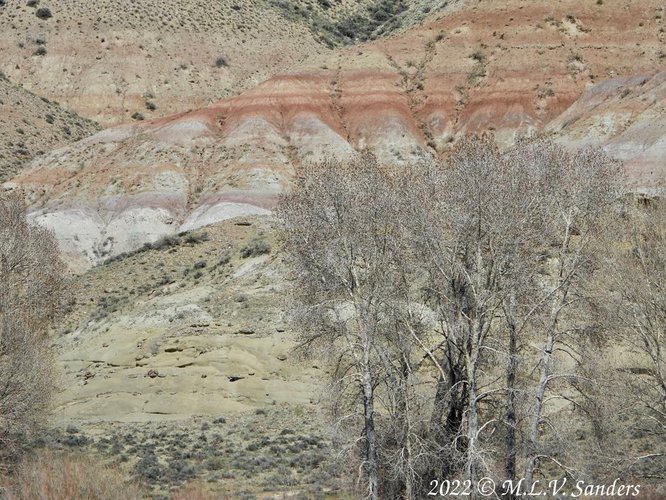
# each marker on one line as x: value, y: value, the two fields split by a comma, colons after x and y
x: 177, y: 364
x: 116, y: 61
x: 207, y: 329
x: 30, y: 126
x: 627, y: 117
x: 508, y: 68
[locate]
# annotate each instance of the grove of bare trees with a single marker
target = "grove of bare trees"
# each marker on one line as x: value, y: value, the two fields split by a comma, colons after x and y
x: 32, y: 291
x: 477, y: 313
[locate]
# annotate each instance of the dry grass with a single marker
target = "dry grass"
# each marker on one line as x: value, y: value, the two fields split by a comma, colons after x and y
x: 63, y: 476
x: 193, y: 491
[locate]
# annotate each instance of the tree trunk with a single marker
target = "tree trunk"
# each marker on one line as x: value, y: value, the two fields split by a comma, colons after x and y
x: 544, y: 377
x: 406, y: 443
x: 370, y: 437
x: 447, y: 413
x: 472, y: 414
x: 510, y: 466
x: 547, y: 355
x: 533, y: 435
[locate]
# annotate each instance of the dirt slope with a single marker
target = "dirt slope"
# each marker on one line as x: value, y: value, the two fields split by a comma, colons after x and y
x: 176, y: 363
x: 203, y: 315
x: 627, y: 117
x: 509, y: 67
x: 111, y: 60
x: 30, y: 126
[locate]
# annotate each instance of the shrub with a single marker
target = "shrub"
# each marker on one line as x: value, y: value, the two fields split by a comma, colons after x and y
x: 479, y: 56
x: 196, y: 238
x: 164, y: 242
x: 41, y: 51
x: 151, y: 106
x: 43, y: 13
x: 225, y: 258
x: 221, y: 62
x: 181, y: 470
x: 137, y: 116
x: 255, y: 248
x: 148, y: 468
x: 62, y: 476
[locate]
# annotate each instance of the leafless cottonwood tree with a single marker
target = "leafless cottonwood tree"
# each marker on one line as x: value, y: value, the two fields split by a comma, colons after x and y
x: 452, y: 270
x: 343, y: 236
x: 635, y: 262
x: 579, y: 187
x: 31, y: 298
x: 479, y: 230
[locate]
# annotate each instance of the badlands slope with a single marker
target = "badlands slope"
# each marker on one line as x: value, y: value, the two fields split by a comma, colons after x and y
x: 111, y: 60
x: 627, y: 117
x: 508, y: 67
x: 177, y: 364
x: 194, y: 327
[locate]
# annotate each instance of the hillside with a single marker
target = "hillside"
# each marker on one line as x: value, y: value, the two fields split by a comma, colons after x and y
x: 345, y: 22
x: 177, y: 363
x: 30, y: 126
x: 110, y: 60
x: 627, y: 117
x: 114, y: 61
x: 203, y: 314
x: 509, y: 69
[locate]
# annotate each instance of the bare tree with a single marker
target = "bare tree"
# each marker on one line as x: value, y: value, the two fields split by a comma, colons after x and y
x: 452, y: 270
x: 579, y: 187
x: 343, y: 235
x: 31, y: 298
x: 635, y: 307
x: 479, y: 230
